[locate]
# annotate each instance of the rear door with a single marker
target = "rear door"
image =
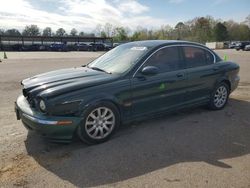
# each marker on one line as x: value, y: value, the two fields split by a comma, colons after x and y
x: 164, y: 90
x: 202, y: 73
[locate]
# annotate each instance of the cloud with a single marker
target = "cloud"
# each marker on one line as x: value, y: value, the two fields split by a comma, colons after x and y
x: 83, y: 15
x: 176, y: 1
x: 132, y: 7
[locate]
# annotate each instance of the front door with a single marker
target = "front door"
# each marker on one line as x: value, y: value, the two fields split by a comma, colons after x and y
x: 164, y: 90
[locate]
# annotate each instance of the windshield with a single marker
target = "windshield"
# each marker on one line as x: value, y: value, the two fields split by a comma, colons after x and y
x: 119, y: 59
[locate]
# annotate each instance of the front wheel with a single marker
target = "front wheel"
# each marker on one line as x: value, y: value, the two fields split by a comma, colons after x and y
x: 100, y: 123
x: 219, y: 97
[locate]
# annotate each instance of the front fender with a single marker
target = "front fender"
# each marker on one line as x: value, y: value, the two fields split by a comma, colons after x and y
x: 89, y: 101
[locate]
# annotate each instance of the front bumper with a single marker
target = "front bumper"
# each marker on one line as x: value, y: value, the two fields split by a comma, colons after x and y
x: 45, y: 125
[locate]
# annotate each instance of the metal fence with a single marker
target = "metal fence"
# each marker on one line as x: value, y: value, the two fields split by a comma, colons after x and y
x: 17, y: 43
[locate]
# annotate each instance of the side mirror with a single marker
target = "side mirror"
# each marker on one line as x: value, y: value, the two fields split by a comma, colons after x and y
x: 150, y: 70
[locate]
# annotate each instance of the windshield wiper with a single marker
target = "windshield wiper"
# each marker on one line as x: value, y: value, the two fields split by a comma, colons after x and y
x: 98, y: 69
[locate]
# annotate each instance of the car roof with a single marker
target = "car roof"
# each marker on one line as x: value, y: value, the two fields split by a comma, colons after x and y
x: 155, y: 43
x: 159, y: 43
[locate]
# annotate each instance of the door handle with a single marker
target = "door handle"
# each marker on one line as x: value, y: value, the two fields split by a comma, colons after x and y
x: 216, y: 68
x: 180, y: 75
x: 141, y: 78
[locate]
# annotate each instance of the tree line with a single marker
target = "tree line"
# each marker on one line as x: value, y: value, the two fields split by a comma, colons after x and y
x: 199, y: 29
x: 34, y: 30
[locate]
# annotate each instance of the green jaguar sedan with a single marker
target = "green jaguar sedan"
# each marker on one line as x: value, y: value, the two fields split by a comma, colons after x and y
x: 130, y: 82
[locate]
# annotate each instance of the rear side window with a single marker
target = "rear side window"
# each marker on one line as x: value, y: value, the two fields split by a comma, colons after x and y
x: 209, y: 57
x: 196, y: 57
x: 166, y: 59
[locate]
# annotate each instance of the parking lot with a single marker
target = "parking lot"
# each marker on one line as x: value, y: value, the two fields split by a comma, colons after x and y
x: 189, y: 148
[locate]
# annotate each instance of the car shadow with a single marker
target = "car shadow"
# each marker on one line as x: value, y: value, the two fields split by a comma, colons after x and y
x: 192, y: 135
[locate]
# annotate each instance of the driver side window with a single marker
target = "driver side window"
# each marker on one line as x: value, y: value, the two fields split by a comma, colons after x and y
x: 166, y: 60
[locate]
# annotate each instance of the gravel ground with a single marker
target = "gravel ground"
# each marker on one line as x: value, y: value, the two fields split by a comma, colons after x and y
x: 190, y: 148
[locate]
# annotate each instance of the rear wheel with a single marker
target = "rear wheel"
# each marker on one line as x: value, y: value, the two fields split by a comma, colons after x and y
x: 100, y: 123
x: 219, y: 96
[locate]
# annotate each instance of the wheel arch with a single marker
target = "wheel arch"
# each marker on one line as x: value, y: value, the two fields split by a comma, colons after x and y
x: 114, y: 102
x: 228, y: 83
x: 224, y: 80
x: 99, y: 99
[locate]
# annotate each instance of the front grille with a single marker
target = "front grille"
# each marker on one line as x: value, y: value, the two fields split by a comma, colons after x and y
x: 31, y: 101
x: 30, y: 98
x: 25, y: 92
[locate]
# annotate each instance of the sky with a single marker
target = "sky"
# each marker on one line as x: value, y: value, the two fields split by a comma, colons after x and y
x: 85, y: 15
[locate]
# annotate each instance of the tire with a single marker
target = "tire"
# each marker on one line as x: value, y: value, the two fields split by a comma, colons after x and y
x: 219, y: 97
x: 100, y: 122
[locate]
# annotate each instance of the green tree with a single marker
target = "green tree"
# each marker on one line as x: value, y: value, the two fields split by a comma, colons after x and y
x: 163, y: 33
x: 121, y: 34
x: 247, y: 20
x: 232, y: 28
x: 73, y: 32
x: 98, y: 30
x: 60, y: 32
x: 82, y: 34
x: 202, y: 30
x: 151, y: 35
x: 244, y: 32
x: 140, y: 34
x: 135, y: 36
x: 180, y: 27
x: 89, y: 34
x: 103, y: 34
x: 31, y: 30
x: 12, y: 32
x: 47, y: 32
x: 237, y: 32
x: 108, y: 29
x: 220, y: 32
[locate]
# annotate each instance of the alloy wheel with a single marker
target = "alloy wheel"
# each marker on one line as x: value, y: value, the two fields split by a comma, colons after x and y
x: 220, y: 97
x: 100, y: 123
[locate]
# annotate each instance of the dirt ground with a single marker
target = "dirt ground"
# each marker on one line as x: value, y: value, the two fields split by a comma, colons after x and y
x: 190, y: 148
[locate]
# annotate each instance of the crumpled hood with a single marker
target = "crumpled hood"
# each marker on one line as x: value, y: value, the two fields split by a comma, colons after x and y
x: 63, y: 81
